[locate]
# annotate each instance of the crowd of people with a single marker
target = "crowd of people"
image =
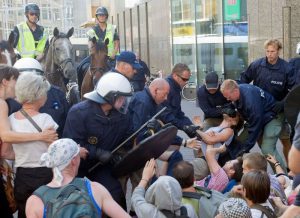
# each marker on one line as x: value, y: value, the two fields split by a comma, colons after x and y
x: 71, y: 152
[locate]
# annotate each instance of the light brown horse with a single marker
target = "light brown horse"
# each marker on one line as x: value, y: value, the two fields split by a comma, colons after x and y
x: 7, y: 53
x: 98, y: 65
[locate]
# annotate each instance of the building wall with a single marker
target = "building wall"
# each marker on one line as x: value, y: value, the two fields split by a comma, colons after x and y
x: 144, y: 27
x: 273, y: 19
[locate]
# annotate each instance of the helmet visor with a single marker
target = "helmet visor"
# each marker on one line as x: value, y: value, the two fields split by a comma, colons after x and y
x: 121, y: 104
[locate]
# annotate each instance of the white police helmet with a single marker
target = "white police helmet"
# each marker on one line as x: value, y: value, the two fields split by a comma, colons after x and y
x: 112, y: 88
x: 29, y: 65
x: 298, y: 48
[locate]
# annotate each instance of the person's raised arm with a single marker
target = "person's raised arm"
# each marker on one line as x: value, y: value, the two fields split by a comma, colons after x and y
x: 211, y: 157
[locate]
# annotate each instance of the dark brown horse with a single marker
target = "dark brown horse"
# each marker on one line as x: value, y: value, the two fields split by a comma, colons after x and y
x: 98, y: 65
x: 58, y: 59
x: 7, y: 53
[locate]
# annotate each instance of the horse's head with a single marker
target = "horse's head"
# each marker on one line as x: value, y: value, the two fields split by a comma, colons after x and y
x: 98, y: 51
x: 98, y: 65
x: 62, y: 53
x: 7, y: 53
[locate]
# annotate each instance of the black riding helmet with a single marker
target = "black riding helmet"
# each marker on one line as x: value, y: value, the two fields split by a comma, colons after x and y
x: 102, y: 11
x: 32, y: 8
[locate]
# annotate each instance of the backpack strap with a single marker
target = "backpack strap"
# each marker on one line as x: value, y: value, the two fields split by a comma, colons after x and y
x: 89, y: 189
x: 183, y: 211
x: 264, y: 209
x: 194, y: 195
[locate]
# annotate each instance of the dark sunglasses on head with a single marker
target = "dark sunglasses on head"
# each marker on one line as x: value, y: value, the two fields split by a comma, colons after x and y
x: 183, y: 79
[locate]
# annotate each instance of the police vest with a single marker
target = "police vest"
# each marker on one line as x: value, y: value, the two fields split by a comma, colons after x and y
x: 109, y: 34
x: 26, y: 44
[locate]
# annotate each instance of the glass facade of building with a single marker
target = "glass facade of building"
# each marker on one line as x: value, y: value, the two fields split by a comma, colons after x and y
x: 210, y: 35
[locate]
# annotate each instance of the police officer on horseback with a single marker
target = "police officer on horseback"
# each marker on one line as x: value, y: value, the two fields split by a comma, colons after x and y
x: 30, y: 38
x: 104, y: 30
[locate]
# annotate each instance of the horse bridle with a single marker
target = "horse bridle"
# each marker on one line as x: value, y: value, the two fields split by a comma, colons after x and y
x: 63, y: 63
x: 93, y: 70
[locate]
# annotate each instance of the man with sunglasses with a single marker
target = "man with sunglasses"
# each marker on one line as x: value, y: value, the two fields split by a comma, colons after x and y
x: 30, y: 38
x: 179, y: 77
x: 210, y: 100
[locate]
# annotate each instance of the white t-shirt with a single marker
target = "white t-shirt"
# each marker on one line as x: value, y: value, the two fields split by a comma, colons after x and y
x: 28, y: 154
x: 257, y: 213
x: 216, y: 129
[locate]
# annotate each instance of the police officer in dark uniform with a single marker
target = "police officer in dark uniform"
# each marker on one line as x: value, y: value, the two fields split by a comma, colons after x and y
x: 295, y: 63
x: 210, y: 100
x: 56, y: 105
x: 257, y: 108
x: 100, y: 124
x: 177, y: 80
x: 274, y: 75
x: 127, y: 64
x: 139, y: 79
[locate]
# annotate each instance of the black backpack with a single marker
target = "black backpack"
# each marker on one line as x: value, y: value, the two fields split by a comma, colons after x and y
x: 169, y: 214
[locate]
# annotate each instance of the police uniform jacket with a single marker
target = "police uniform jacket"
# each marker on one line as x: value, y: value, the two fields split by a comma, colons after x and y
x: 174, y: 113
x: 142, y: 108
x: 276, y: 79
x: 88, y: 125
x: 255, y: 105
x: 295, y: 64
x: 57, y: 107
x: 209, y: 102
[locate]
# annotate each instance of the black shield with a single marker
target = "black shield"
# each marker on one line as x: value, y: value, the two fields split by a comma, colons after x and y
x: 151, y: 147
x: 292, y: 106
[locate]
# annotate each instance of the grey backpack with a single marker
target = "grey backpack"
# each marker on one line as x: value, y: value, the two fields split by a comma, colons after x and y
x: 209, y: 201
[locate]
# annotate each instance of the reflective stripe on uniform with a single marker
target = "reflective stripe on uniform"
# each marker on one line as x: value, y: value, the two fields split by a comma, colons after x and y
x: 26, y: 43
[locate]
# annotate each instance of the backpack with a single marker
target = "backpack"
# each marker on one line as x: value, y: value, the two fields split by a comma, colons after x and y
x: 265, y: 210
x: 208, y: 201
x: 169, y: 214
x: 72, y: 201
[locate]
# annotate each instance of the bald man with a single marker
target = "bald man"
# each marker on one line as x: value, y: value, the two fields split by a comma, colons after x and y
x: 146, y: 103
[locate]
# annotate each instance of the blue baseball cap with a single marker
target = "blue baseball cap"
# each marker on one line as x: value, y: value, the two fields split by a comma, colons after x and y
x: 130, y: 58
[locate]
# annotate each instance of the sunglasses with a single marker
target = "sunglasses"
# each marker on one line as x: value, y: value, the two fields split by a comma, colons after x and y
x: 183, y: 79
x: 32, y: 14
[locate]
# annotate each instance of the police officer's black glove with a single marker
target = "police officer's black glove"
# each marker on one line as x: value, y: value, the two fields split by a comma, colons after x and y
x: 99, y: 154
x: 278, y: 107
x: 103, y: 156
x: 154, y: 125
x: 116, y: 158
x: 191, y: 130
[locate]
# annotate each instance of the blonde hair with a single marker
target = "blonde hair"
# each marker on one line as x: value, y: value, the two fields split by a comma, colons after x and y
x: 229, y: 85
x: 274, y: 42
x: 30, y: 87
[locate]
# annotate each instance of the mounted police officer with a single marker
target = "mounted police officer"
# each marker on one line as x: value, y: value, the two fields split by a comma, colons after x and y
x: 274, y: 75
x: 103, y: 31
x: 30, y: 38
x: 100, y: 124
